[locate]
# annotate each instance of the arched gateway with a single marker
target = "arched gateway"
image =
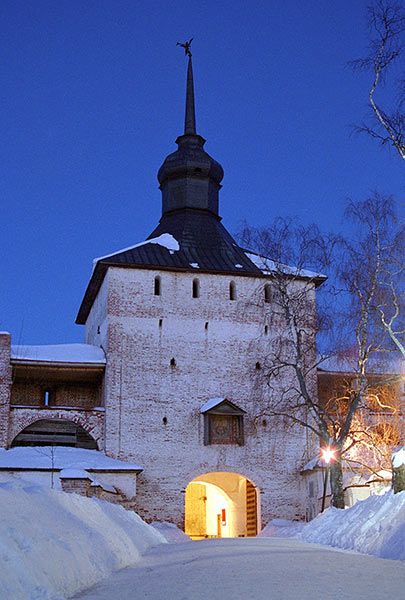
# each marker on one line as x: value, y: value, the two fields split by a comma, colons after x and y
x: 222, y: 504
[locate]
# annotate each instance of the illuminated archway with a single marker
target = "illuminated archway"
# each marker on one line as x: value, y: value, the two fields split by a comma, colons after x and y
x: 221, y: 504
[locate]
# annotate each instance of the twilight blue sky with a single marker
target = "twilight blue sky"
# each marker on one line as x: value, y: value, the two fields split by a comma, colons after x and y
x: 93, y: 98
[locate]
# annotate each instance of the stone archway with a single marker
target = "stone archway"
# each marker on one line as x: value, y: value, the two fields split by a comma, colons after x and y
x: 55, y: 432
x: 221, y: 504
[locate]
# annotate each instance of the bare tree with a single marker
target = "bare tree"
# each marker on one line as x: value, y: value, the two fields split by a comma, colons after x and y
x: 49, y: 452
x: 386, y: 22
x: 372, y: 272
x: 299, y: 256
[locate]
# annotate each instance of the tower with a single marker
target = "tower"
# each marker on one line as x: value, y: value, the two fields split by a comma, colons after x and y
x: 184, y: 321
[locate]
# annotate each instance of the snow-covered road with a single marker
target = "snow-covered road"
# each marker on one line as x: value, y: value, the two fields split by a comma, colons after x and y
x: 254, y: 569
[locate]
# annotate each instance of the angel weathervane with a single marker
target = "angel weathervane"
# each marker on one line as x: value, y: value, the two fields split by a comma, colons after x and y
x: 186, y: 47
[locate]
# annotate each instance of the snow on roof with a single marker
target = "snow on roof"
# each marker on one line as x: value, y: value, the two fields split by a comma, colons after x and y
x: 398, y: 458
x: 74, y: 474
x: 166, y: 240
x: 65, y: 353
x: 267, y: 266
x: 210, y: 404
x: 62, y: 457
x: 312, y: 464
x: 382, y: 474
x: 82, y: 474
x: 377, y: 363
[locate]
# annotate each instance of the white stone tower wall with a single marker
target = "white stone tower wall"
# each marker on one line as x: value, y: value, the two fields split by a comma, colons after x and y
x: 141, y: 387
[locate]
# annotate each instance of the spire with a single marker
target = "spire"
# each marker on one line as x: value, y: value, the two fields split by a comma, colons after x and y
x: 189, y: 178
x: 189, y: 121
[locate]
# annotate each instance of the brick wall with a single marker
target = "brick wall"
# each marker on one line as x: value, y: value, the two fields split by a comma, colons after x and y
x: 91, y: 420
x: 31, y: 393
x: 216, y: 344
x: 5, y: 386
x: 76, y: 486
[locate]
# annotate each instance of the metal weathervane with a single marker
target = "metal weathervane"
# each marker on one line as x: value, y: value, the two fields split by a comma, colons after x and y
x: 186, y: 47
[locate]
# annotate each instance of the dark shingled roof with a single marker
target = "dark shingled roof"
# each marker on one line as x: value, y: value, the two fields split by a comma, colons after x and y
x: 203, y: 240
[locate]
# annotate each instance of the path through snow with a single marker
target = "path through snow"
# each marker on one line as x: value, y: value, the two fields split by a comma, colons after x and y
x: 254, y: 568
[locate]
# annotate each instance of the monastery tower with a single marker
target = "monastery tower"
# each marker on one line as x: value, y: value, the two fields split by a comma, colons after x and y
x: 184, y: 320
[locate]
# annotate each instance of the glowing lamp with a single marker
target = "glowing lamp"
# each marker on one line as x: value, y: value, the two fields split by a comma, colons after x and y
x: 328, y: 454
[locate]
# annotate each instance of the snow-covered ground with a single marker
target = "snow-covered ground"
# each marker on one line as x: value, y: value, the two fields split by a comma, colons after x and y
x: 254, y: 569
x: 53, y: 545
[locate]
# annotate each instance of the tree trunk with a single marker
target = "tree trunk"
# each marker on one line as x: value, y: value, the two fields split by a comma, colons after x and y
x: 336, y: 483
x: 398, y: 479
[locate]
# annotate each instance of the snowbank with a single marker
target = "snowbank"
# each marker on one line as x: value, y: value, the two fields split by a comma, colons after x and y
x: 282, y: 528
x: 53, y: 545
x: 171, y: 532
x: 374, y: 526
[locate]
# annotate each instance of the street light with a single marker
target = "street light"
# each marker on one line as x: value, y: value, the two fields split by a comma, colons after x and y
x: 327, y: 454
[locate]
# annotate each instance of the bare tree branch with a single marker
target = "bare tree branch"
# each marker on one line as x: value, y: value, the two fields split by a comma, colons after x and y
x: 386, y: 20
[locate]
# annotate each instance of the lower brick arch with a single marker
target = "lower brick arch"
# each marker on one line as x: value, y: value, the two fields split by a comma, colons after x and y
x: 55, y: 432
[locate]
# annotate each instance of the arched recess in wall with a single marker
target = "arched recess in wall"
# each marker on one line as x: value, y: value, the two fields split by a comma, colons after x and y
x: 222, y: 504
x: 55, y: 432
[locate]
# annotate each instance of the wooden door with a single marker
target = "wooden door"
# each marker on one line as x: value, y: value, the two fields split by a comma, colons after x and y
x: 196, y: 510
x: 251, y: 510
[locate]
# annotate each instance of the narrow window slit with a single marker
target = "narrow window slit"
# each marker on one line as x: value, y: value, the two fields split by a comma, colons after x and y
x: 232, y: 291
x: 196, y: 288
x: 158, y: 286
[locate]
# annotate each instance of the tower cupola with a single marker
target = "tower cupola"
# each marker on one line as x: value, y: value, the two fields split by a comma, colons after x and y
x: 189, y: 177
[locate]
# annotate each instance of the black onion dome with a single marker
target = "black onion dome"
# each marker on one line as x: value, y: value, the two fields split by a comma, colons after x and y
x: 190, y: 159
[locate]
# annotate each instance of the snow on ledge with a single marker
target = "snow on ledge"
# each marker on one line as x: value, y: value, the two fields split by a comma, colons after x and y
x: 268, y: 266
x: 166, y: 240
x: 62, y: 457
x: 74, y: 474
x: 210, y: 404
x: 82, y: 474
x: 63, y: 353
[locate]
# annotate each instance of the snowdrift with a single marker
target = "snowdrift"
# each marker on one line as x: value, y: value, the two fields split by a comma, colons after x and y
x: 53, y: 545
x: 374, y: 526
x: 171, y: 532
x: 282, y: 528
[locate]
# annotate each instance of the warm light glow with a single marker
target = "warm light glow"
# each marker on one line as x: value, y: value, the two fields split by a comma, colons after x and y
x: 327, y: 454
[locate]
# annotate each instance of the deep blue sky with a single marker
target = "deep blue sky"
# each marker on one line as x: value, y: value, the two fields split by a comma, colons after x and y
x: 92, y: 99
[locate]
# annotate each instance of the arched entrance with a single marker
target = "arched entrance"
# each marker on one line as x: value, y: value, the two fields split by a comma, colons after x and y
x: 222, y: 504
x: 55, y: 432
